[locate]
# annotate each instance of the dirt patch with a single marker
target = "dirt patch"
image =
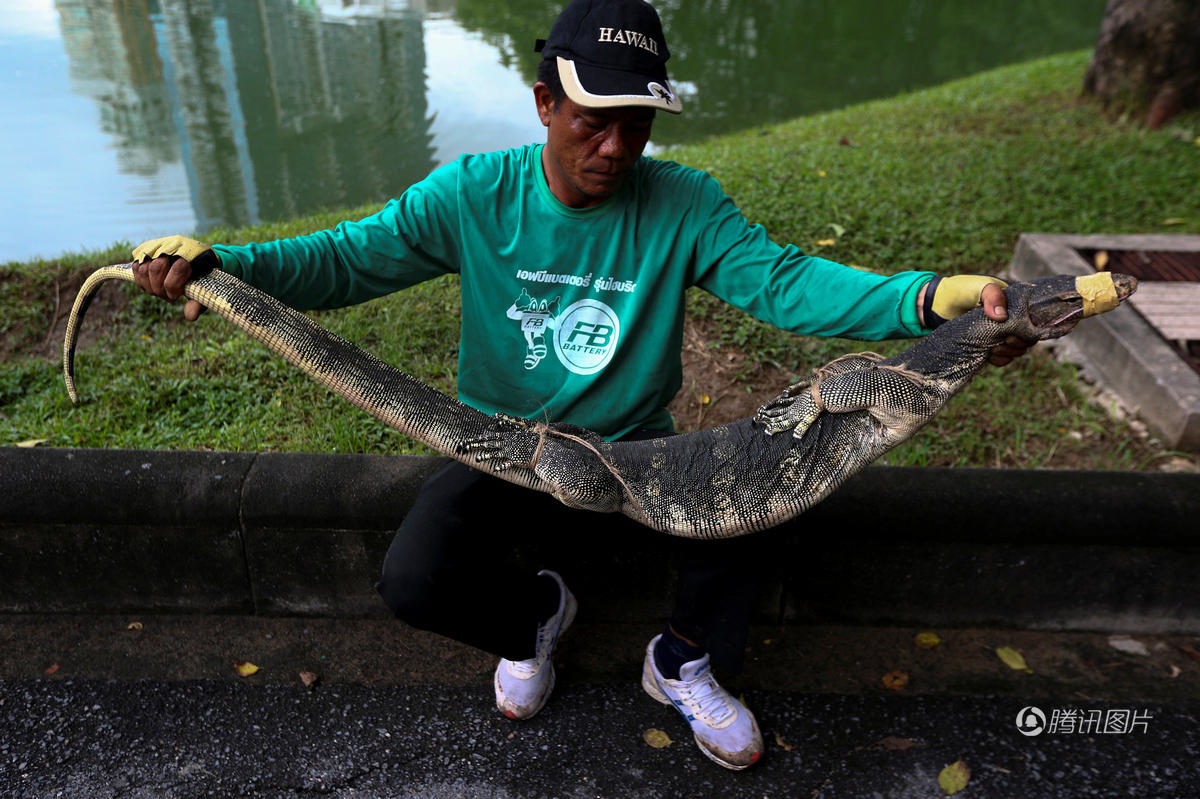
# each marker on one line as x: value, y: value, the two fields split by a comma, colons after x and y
x: 42, y: 306
x: 720, y: 384
x: 723, y: 384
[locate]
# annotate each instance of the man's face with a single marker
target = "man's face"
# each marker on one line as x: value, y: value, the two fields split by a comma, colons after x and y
x: 589, y: 151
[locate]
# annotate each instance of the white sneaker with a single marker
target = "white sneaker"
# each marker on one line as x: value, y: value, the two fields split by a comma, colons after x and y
x: 523, y: 686
x: 723, y: 727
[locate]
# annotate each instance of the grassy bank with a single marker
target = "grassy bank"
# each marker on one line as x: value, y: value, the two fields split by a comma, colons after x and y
x: 943, y: 179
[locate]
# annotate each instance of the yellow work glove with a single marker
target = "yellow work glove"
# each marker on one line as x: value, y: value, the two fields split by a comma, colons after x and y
x: 948, y: 297
x: 181, y: 246
x: 167, y: 281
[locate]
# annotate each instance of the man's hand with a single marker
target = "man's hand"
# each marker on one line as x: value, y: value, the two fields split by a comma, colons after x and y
x: 958, y: 294
x: 995, y: 305
x: 162, y: 266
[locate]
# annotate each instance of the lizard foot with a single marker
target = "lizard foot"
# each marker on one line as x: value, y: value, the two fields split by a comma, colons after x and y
x: 775, y: 415
x: 795, y: 410
x: 515, y: 443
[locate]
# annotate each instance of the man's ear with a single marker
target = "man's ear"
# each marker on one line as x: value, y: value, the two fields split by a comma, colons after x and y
x: 544, y: 99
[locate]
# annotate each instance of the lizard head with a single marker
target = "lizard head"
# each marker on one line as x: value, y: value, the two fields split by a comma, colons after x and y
x: 1051, y: 307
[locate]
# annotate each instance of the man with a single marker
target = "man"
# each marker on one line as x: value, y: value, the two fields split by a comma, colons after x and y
x: 573, y: 260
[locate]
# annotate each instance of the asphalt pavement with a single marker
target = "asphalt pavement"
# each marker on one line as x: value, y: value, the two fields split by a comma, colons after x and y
x: 151, y: 706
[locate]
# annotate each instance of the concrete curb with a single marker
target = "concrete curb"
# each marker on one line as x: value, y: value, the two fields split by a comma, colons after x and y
x: 125, y: 530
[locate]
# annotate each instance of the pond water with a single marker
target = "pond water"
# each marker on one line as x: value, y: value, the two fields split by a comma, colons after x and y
x: 128, y: 119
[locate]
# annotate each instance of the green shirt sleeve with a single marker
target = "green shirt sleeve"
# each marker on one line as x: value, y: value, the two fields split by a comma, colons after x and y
x: 783, y: 286
x: 412, y: 239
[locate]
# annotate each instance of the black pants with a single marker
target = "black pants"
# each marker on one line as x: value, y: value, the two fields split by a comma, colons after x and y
x: 449, y: 569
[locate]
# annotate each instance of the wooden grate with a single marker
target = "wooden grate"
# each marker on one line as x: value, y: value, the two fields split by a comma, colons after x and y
x: 1168, y: 294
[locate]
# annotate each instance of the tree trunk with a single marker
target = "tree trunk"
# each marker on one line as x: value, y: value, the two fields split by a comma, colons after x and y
x: 1147, y: 58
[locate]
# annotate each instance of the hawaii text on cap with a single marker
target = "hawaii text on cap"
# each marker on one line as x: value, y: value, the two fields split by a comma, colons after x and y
x: 612, y: 53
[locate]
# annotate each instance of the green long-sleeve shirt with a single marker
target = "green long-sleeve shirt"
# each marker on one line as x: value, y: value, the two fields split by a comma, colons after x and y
x: 576, y: 315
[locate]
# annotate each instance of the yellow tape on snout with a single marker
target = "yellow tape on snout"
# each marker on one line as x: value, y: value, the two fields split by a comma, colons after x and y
x: 1098, y: 293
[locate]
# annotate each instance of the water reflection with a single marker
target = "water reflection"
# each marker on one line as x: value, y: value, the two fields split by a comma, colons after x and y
x: 237, y: 111
x: 273, y: 108
x: 745, y: 62
x: 110, y: 63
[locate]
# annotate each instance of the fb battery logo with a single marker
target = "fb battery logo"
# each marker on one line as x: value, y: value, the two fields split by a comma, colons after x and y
x: 586, y: 336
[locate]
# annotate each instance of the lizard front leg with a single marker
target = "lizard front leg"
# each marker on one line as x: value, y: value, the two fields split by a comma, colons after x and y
x: 582, y: 477
x: 799, y: 405
x: 896, y: 399
x: 571, y: 460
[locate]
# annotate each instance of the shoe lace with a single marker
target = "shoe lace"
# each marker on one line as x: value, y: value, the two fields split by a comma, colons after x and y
x: 545, y: 645
x: 708, y: 700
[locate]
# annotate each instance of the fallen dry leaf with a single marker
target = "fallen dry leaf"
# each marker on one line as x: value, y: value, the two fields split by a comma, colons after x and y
x: 825, y: 242
x: 1013, y: 659
x: 656, y: 738
x: 33, y: 442
x: 895, y: 680
x: 1175, y: 671
x: 954, y: 777
x: 52, y: 668
x: 784, y: 745
x: 1128, y: 644
x: 893, y: 743
x: 309, y: 678
x: 244, y: 668
x: 134, y: 625
x: 926, y: 640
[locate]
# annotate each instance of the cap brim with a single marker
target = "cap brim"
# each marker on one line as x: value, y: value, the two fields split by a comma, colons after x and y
x: 606, y: 88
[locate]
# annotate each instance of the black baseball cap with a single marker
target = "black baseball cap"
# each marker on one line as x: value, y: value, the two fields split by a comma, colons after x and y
x: 612, y: 53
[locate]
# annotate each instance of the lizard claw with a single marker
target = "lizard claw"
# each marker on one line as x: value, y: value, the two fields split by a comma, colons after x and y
x: 773, y: 420
x: 506, y: 422
x: 775, y: 414
x: 795, y: 410
x: 489, y: 447
x: 513, y: 443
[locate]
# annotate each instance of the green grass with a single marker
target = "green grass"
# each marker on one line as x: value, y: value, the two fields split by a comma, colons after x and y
x: 157, y: 382
x: 943, y: 179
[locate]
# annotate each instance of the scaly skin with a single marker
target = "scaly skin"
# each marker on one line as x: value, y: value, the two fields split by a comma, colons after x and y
x: 731, y: 480
x: 394, y: 398
x: 755, y: 473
